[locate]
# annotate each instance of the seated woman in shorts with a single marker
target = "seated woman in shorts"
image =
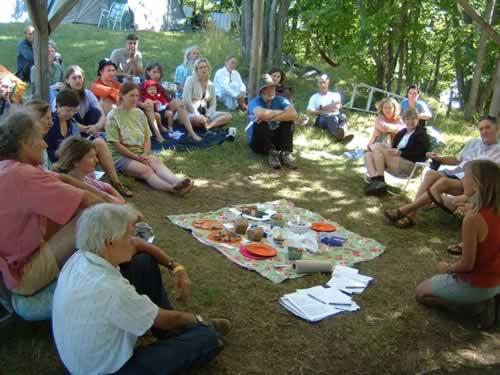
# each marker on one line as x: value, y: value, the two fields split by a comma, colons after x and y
x: 387, y: 124
x: 105, y: 87
x: 38, y: 209
x: 408, y: 147
x: 77, y: 157
x: 199, y: 98
x: 156, y: 119
x: 475, y: 277
x: 128, y: 133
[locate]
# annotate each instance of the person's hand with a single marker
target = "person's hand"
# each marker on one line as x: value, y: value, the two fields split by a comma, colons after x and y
x: 143, y: 159
x: 442, y: 267
x: 108, y: 198
x: 431, y: 155
x: 140, y: 216
x: 93, y: 129
x: 129, y: 77
x: 394, y: 152
x: 58, y: 85
x: 182, y: 284
x: 463, y: 207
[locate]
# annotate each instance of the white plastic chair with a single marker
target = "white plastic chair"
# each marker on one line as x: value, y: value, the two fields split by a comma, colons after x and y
x: 113, y: 15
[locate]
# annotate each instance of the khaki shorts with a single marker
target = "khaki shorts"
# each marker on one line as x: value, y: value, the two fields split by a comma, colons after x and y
x: 39, y: 272
x: 404, y: 168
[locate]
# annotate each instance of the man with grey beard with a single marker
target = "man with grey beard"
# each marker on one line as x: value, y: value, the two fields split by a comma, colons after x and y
x: 270, y: 128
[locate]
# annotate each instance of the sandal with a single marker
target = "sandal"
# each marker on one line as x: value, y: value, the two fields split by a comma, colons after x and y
x: 393, y: 214
x: 439, y: 202
x: 405, y: 222
x: 123, y: 190
x: 182, y: 185
x: 455, y: 249
x: 184, y: 191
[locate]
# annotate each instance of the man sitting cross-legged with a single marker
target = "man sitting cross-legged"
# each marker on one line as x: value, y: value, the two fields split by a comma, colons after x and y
x: 449, y: 181
x: 270, y: 130
x: 110, y: 292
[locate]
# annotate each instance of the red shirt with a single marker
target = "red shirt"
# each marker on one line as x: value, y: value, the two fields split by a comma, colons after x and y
x: 486, y: 271
x: 29, y: 196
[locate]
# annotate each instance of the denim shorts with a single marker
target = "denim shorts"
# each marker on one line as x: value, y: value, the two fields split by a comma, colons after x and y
x: 454, y: 290
x: 122, y: 163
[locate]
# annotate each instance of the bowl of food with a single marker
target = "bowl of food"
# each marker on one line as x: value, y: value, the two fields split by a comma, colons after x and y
x: 299, y: 226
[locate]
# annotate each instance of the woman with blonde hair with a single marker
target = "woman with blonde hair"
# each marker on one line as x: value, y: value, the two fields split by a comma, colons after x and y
x: 387, y: 123
x: 475, y: 277
x: 77, y: 157
x: 200, y: 100
x: 128, y: 132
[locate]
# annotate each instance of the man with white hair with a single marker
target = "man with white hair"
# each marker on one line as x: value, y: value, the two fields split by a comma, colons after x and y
x: 185, y: 70
x: 110, y: 292
x: 5, y: 90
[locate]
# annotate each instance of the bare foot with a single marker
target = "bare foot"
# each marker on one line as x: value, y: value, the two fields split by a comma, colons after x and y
x: 160, y: 139
x: 186, y: 190
x: 196, y: 137
x: 183, y: 184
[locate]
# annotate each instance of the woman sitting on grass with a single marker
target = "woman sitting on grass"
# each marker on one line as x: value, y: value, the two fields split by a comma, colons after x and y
x: 156, y: 119
x: 77, y: 157
x: 90, y: 116
x: 387, y: 123
x: 128, y: 133
x: 105, y: 87
x: 279, y: 78
x: 65, y: 126
x: 475, y: 277
x: 200, y: 100
x: 408, y: 147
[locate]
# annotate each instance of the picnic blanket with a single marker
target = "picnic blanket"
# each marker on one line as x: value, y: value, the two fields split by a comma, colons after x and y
x: 187, y: 143
x: 356, y: 249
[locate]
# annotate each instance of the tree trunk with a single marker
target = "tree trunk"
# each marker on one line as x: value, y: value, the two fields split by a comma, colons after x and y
x: 280, y: 31
x: 495, y: 100
x: 295, y: 20
x: 272, y: 33
x: 471, y: 106
x: 256, y: 55
x: 403, y: 26
x: 435, y: 79
x: 237, y: 18
x: 246, y: 26
x: 484, y: 24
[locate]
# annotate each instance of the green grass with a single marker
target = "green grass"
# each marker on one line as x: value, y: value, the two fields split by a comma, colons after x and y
x: 390, y: 334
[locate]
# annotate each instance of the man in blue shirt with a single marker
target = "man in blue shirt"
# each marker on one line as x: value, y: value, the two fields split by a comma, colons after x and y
x: 270, y: 128
x: 25, y: 58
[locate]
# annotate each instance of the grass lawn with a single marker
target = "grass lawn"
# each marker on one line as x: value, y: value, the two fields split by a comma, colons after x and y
x: 391, y: 334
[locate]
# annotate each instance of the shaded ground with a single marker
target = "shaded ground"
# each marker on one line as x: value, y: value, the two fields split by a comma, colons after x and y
x: 391, y: 334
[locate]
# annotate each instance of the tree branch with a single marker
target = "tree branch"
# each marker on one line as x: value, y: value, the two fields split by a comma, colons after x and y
x: 494, y: 35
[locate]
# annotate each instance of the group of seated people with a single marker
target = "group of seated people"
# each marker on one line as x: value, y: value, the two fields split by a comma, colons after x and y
x: 48, y: 212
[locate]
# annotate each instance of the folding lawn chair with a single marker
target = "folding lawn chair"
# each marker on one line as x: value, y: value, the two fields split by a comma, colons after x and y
x: 436, y: 139
x: 113, y: 15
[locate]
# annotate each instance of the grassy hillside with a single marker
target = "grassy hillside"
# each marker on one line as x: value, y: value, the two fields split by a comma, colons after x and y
x: 391, y: 334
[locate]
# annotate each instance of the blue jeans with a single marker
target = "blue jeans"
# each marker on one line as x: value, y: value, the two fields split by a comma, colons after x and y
x: 181, y: 351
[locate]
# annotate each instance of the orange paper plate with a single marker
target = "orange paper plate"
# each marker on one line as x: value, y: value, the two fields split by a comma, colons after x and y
x: 261, y: 249
x: 206, y: 224
x: 323, y: 227
x: 211, y: 237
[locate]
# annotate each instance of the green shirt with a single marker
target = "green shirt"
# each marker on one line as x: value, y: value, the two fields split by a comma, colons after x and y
x: 130, y: 128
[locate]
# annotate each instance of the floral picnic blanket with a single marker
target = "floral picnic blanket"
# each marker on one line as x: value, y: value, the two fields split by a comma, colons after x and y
x: 356, y: 249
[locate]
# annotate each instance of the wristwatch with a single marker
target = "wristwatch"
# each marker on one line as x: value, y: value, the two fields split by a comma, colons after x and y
x: 171, y: 264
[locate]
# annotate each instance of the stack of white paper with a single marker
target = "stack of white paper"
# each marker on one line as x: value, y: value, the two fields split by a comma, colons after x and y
x: 319, y: 302
x: 349, y: 280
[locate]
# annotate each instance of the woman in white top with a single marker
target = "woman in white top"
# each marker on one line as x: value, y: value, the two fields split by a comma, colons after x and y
x: 229, y: 87
x: 199, y: 98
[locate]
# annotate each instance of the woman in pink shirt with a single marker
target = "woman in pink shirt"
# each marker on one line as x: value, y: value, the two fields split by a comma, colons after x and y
x: 38, y: 209
x: 77, y: 157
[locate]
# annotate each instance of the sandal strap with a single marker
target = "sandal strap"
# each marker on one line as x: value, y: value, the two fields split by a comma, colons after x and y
x: 439, y: 203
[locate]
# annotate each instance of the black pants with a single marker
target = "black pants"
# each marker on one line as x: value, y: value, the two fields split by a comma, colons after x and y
x: 189, y: 348
x: 264, y: 139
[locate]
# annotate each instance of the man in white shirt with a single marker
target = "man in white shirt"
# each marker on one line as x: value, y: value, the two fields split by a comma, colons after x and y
x: 110, y: 293
x: 128, y: 60
x: 326, y: 106
x: 229, y: 87
x: 448, y: 181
